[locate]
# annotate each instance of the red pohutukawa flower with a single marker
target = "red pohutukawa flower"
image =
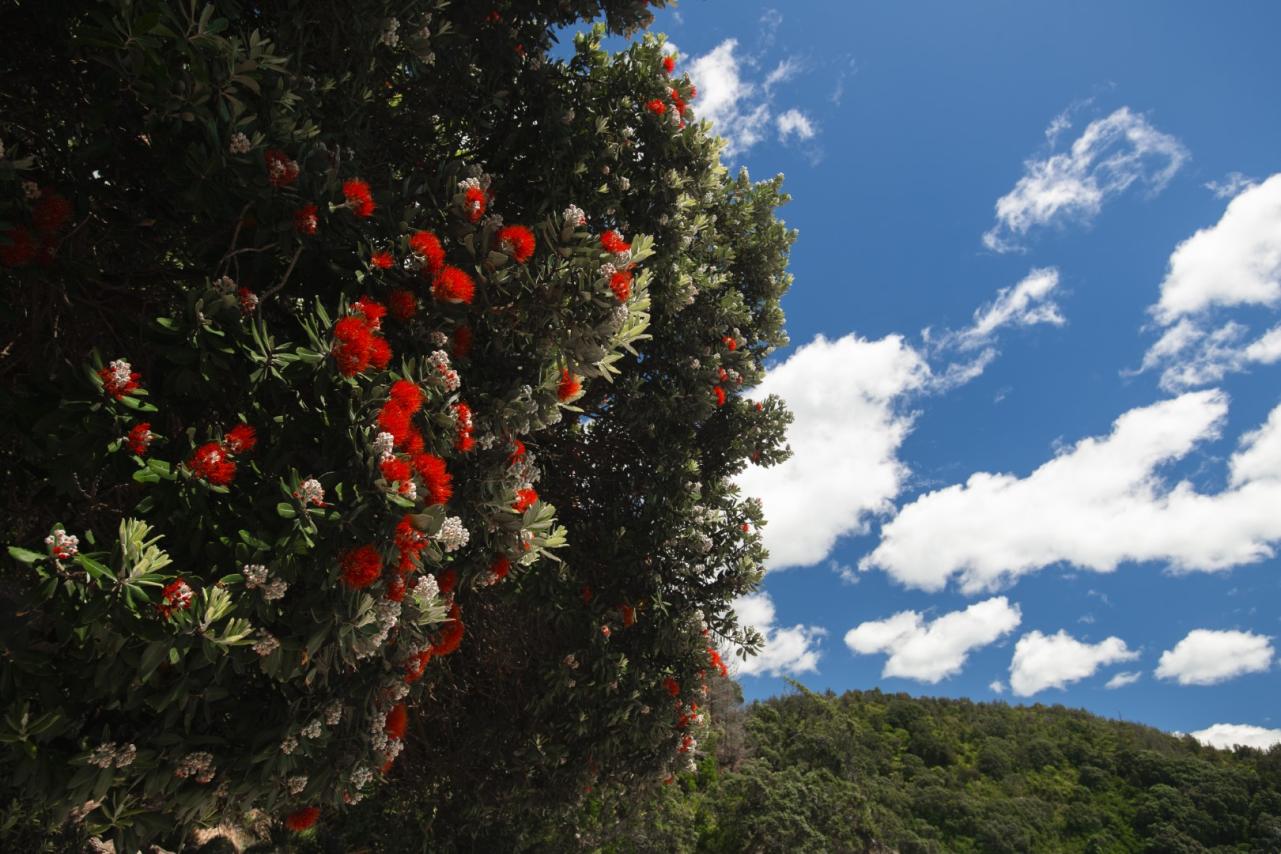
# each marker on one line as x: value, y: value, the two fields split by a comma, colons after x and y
x: 395, y: 419
x: 518, y: 452
x: 382, y: 260
x: 241, y: 438
x: 586, y: 593
x: 621, y: 284
x: 305, y: 219
x: 302, y: 819
x: 17, y: 247
x: 406, y: 394
x: 210, y: 463
x: 669, y: 64
x: 357, y: 344
x: 474, y: 204
x: 373, y: 310
x: 462, y: 342
x: 720, y: 395
x: 629, y: 615
x: 500, y: 568
x: 613, y: 242
x: 361, y: 567
x: 397, y: 721
x: 139, y: 438
x: 453, y: 285
x: 730, y: 343
x: 358, y: 196
x: 427, y: 245
x: 673, y: 687
x: 248, y: 300
x: 525, y: 499
x: 656, y: 107
x: 463, y: 441
x: 281, y: 171
x: 516, y: 241
x: 447, y: 581
x: 119, y: 378
x: 451, y: 636
x: 176, y: 596
x: 396, y: 470
x: 570, y: 387
x: 403, y: 304
x: 436, y: 478
x: 50, y: 213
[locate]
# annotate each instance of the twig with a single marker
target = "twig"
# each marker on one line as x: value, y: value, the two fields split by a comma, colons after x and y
x: 288, y: 273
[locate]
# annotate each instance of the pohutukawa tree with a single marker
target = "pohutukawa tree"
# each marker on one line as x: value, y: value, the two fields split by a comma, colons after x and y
x: 374, y: 382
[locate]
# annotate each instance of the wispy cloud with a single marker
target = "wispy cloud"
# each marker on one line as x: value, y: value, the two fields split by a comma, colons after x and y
x: 1111, y: 154
x: 794, y: 122
x: 1122, y: 679
x: 1232, y: 184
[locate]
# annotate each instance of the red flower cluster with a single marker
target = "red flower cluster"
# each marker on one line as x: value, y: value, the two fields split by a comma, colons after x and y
x: 629, y: 615
x: 302, y: 819
x: 240, y: 439
x: 474, y: 204
x: 500, y: 568
x: 51, y: 213
x: 403, y: 304
x: 656, y: 107
x: 673, y: 687
x: 451, y: 637
x: 463, y: 424
x: 49, y: 216
x: 436, y: 478
x: 720, y: 395
x: 115, y: 384
x: 453, y: 285
x: 176, y: 596
x: 717, y: 661
x: 462, y: 342
x: 517, y: 241
x: 669, y: 64
x: 357, y: 344
x: 525, y: 499
x: 281, y: 171
x: 248, y: 300
x: 621, y: 284
x: 306, y: 220
x: 358, y: 196
x: 361, y: 567
x: 210, y: 464
x: 518, y: 452
x: 586, y: 593
x: 730, y: 343
x: 397, y: 721
x: 569, y: 388
x: 613, y: 242
x: 139, y: 438
x: 381, y: 260
x: 427, y: 245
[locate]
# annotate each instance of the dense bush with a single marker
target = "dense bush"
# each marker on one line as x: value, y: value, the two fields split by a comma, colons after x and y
x: 300, y: 296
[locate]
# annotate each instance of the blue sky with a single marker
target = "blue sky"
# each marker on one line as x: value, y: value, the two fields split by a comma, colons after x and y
x: 917, y: 512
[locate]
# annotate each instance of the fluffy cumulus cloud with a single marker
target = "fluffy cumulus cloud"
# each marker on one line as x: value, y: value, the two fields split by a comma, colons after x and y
x: 787, y: 651
x: 932, y: 650
x: 1208, y: 657
x: 1227, y: 736
x: 1235, y: 263
x: 846, y: 397
x: 794, y: 123
x: 1055, y: 661
x: 1110, y: 156
x: 1097, y: 504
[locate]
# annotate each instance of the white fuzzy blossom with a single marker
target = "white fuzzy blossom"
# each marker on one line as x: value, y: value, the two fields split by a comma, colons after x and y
x: 239, y: 144
x: 453, y: 536
x: 296, y: 785
x: 425, y: 588
x: 255, y: 575
x: 104, y: 755
x: 383, y: 445
x: 361, y: 776
x: 568, y: 117
x: 121, y: 372
x: 198, y: 766
x: 312, y: 730
x: 311, y: 492
x: 439, y: 360
x: 62, y: 545
x: 332, y: 713
x: 575, y: 216
x: 266, y: 643
x: 225, y: 285
x: 391, y: 32
x: 288, y: 745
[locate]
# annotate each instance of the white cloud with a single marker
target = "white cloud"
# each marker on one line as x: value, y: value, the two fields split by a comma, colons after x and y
x: 1095, y: 505
x: 1237, y: 261
x: 1054, y: 661
x: 1232, y: 183
x: 1208, y: 657
x: 932, y: 651
x: 996, y: 686
x: 742, y: 109
x: 794, y: 123
x: 1123, y: 678
x: 1227, y: 736
x: 1111, y: 154
x: 846, y: 400
x: 787, y: 650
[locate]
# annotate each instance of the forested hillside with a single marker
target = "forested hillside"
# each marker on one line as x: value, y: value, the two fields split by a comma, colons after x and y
x: 868, y: 771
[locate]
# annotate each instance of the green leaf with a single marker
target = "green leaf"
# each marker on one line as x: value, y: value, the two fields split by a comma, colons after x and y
x: 25, y: 555
x: 286, y: 510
